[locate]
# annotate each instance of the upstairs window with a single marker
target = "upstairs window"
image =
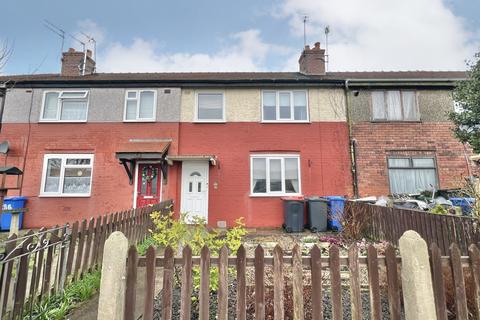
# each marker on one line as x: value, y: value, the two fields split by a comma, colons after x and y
x: 66, y: 106
x: 275, y: 175
x: 67, y: 175
x: 412, y: 174
x: 395, y: 105
x: 140, y: 105
x: 284, y: 106
x: 210, y: 107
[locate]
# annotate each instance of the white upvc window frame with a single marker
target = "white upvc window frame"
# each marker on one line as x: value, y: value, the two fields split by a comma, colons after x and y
x: 224, y: 113
x: 86, y: 96
x: 281, y: 157
x: 64, y: 157
x: 137, y: 98
x: 292, y: 107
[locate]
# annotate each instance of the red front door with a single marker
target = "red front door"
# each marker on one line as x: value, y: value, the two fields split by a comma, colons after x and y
x: 148, y: 184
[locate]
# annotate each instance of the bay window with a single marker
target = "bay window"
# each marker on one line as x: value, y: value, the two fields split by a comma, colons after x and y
x: 67, y: 175
x: 284, y: 106
x: 65, y: 106
x: 275, y: 174
x: 140, y: 105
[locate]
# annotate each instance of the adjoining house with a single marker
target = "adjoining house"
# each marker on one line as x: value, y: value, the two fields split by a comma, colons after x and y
x: 222, y: 145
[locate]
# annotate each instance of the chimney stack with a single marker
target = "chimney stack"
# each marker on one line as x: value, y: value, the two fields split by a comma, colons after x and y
x: 312, y: 61
x: 73, y: 63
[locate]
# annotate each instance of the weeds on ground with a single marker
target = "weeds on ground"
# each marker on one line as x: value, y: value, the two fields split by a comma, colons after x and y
x: 57, y: 307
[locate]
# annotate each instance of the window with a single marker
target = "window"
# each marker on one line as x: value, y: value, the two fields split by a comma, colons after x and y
x: 275, y: 175
x: 284, y: 106
x: 412, y: 175
x: 66, y: 106
x: 210, y: 107
x: 67, y: 175
x: 140, y: 105
x: 394, y: 105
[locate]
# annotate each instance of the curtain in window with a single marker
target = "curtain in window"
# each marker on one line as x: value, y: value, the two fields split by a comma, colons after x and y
x: 300, y: 105
x: 210, y: 106
x: 394, y: 106
x: 291, y: 175
x: 285, y: 108
x: 74, y: 110
x: 412, y: 180
x: 275, y: 175
x: 52, y: 178
x: 146, y: 105
x: 378, y: 105
x: 77, y: 180
x: 259, y: 175
x: 409, y: 105
x: 269, y: 106
x: 51, y: 105
x: 131, y: 113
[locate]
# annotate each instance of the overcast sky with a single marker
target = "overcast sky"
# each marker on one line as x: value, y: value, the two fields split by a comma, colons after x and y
x: 244, y: 35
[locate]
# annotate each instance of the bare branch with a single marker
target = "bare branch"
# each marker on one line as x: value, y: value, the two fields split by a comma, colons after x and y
x: 6, y: 51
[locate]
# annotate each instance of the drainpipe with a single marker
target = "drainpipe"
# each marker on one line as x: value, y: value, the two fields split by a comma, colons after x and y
x: 352, y: 142
x: 3, y: 96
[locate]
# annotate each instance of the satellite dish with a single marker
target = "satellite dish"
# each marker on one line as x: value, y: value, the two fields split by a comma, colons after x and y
x: 4, y: 147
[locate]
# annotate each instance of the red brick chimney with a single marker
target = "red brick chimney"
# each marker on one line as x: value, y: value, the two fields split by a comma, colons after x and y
x: 72, y: 63
x: 312, y: 61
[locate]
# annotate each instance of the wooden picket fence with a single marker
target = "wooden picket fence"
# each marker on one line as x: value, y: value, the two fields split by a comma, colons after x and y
x: 356, y: 287
x: 388, y: 224
x: 40, y: 264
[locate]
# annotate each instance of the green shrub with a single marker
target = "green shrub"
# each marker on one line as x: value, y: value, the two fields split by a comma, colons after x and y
x: 192, y: 231
x: 57, y: 307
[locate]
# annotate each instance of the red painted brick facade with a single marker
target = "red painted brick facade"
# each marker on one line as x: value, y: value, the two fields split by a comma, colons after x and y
x: 377, y: 140
x: 111, y: 190
x: 323, y: 150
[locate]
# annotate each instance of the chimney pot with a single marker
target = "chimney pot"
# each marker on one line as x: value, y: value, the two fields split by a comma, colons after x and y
x: 312, y: 62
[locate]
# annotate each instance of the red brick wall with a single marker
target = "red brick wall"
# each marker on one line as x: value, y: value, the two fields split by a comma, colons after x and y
x: 323, y: 149
x: 111, y: 190
x: 377, y: 140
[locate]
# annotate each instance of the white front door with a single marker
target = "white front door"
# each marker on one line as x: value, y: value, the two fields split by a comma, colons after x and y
x: 194, y: 199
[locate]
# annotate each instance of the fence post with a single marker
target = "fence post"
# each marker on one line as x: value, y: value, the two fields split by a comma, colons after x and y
x: 112, y: 285
x: 416, y: 278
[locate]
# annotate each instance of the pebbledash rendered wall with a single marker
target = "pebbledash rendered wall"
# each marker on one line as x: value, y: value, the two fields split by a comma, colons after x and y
x: 101, y: 135
x: 322, y: 145
x: 430, y: 136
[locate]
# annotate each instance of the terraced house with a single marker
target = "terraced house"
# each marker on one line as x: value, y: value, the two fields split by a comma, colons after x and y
x: 223, y: 145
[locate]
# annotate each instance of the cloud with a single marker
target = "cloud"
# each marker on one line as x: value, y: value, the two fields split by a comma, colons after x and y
x: 243, y: 51
x: 383, y: 35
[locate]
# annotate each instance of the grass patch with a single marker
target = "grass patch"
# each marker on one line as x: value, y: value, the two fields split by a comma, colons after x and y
x: 57, y: 307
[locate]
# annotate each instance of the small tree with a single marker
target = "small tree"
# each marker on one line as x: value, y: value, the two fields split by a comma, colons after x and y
x: 467, y: 97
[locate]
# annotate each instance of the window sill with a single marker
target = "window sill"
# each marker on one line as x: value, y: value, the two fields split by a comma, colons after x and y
x: 274, y: 195
x: 286, y: 121
x: 62, y: 121
x: 396, y: 121
x: 141, y: 120
x: 64, y: 196
x: 209, y: 121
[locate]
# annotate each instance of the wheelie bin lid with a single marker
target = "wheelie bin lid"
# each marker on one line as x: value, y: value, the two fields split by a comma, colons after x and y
x: 316, y: 199
x: 293, y: 198
x: 15, y: 198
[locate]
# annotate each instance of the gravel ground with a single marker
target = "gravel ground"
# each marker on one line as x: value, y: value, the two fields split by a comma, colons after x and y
x: 327, y: 308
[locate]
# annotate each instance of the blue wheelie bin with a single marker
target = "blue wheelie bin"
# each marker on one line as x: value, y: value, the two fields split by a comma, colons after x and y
x: 336, y: 204
x: 12, y: 203
x: 465, y: 203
